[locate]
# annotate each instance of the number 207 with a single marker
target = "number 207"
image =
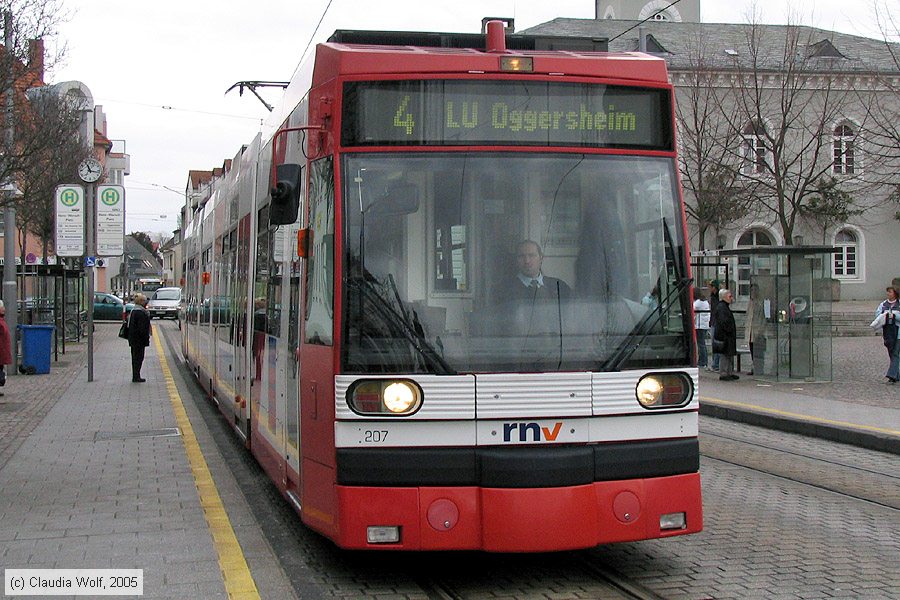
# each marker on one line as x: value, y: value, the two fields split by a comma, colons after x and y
x: 375, y: 435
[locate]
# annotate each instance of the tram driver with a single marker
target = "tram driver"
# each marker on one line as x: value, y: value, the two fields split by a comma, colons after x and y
x: 531, y: 302
x: 530, y: 284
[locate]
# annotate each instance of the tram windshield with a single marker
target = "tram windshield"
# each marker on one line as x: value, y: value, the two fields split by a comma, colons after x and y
x: 525, y: 262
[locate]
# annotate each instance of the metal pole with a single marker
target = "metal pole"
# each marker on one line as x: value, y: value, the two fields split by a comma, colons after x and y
x: 90, y: 239
x: 9, y: 212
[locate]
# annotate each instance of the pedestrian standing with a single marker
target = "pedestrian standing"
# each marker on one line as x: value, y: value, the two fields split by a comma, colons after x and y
x: 887, y: 316
x: 701, y: 326
x: 139, y: 332
x: 713, y: 287
x: 726, y: 336
x: 755, y: 330
x: 6, y: 357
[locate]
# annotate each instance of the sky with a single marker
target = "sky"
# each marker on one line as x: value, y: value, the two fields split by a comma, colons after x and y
x: 161, y: 69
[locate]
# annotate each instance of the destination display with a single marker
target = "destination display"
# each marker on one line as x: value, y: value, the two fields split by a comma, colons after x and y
x: 461, y: 112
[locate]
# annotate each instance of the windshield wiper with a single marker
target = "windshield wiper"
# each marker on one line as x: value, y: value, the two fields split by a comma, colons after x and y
x: 399, y: 322
x: 643, y: 328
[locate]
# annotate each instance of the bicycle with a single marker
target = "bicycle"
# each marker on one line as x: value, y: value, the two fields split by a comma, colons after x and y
x: 74, y: 326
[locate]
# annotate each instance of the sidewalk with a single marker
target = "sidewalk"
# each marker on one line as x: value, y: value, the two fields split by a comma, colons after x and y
x: 855, y: 408
x: 96, y: 475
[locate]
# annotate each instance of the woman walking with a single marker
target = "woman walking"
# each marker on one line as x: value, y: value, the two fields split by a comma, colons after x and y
x: 725, y: 339
x: 887, y: 315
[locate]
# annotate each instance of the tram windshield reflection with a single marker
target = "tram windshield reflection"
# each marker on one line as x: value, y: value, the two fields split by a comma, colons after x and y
x: 433, y: 267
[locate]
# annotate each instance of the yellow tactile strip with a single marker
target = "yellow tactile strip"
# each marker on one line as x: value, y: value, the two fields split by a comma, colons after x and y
x: 238, y: 581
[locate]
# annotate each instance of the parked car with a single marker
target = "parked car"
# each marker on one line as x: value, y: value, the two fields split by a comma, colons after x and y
x: 108, y: 307
x: 165, y: 303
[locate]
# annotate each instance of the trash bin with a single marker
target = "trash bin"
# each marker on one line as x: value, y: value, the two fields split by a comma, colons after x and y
x: 36, y: 345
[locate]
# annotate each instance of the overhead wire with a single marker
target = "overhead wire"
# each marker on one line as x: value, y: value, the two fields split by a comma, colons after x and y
x: 176, y: 109
x: 311, y: 38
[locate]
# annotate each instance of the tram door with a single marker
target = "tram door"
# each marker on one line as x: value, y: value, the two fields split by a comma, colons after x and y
x: 292, y: 371
x: 316, y: 366
x: 243, y: 333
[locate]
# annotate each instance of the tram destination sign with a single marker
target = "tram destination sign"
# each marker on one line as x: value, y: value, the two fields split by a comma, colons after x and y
x: 466, y: 112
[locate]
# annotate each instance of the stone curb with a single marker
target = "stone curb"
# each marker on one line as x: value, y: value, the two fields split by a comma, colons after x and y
x: 855, y: 437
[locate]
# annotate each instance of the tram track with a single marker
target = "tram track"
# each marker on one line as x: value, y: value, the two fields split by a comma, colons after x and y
x: 854, y: 481
x: 785, y: 450
x: 570, y: 571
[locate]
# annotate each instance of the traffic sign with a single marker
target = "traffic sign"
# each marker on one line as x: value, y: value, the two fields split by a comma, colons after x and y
x: 90, y: 261
x: 69, y: 220
x: 110, y: 220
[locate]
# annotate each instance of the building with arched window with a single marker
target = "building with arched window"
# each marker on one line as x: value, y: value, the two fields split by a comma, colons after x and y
x: 847, y: 255
x: 800, y: 137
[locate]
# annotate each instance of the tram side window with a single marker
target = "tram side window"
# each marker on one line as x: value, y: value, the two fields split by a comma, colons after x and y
x: 191, y: 289
x: 263, y: 272
x: 206, y: 289
x: 320, y: 272
x: 273, y: 294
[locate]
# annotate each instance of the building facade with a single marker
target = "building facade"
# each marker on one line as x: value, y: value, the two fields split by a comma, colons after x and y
x: 791, y: 129
x: 172, y: 273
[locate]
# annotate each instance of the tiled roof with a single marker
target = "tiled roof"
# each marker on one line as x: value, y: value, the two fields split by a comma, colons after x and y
x: 725, y: 43
x: 199, y: 177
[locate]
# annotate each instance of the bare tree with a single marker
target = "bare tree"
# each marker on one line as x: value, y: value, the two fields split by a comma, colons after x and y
x: 789, y: 93
x: 713, y: 200
x: 883, y: 110
x: 54, y: 119
x: 831, y: 206
x: 32, y: 26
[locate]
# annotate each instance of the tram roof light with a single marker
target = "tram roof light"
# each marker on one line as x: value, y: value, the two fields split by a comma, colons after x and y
x: 523, y: 64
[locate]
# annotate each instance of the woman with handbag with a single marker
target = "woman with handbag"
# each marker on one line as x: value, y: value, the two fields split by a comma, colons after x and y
x: 725, y: 338
x: 5, y: 346
x: 139, y: 332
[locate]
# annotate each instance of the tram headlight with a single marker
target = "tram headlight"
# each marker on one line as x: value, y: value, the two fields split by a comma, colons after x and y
x: 664, y: 390
x: 399, y: 397
x: 384, y: 397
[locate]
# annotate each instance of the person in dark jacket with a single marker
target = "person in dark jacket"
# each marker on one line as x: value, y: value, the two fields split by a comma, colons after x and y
x: 532, y: 300
x: 139, y: 332
x: 713, y: 287
x: 726, y: 334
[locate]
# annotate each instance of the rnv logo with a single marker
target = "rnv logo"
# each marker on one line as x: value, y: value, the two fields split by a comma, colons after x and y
x: 537, y: 432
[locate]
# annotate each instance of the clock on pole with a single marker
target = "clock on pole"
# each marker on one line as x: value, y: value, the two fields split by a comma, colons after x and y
x: 90, y: 170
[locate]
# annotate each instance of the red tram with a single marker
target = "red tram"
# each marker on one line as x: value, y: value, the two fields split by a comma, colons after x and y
x: 358, y: 299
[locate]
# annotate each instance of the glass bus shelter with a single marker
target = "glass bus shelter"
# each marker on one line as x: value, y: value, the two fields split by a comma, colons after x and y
x: 787, y: 311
